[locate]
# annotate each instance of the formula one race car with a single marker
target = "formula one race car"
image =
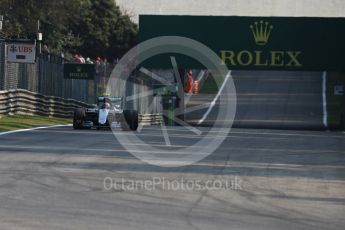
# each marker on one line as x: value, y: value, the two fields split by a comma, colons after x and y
x: 107, y: 113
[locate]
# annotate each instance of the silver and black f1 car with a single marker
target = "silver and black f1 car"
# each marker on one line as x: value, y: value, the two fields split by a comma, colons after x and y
x: 107, y: 113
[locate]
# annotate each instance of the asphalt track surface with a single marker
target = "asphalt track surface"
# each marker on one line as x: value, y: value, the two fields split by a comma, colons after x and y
x: 271, y: 99
x: 54, y: 179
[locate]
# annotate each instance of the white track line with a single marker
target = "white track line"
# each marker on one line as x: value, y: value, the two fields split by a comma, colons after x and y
x: 216, y: 98
x: 324, y: 99
x: 25, y: 130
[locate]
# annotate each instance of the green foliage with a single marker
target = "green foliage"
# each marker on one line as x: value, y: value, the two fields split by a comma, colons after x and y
x: 90, y: 27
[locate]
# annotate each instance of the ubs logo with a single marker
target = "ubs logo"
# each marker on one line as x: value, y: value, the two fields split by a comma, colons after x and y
x: 13, y: 49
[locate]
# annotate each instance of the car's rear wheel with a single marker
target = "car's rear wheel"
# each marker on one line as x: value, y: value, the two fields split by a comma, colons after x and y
x: 78, y: 118
x: 130, y: 120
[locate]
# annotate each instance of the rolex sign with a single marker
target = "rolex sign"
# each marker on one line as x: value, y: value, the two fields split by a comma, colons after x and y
x: 255, y: 43
x: 79, y: 71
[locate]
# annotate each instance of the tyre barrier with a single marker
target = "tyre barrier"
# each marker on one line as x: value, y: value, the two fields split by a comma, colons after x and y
x: 150, y: 119
x: 196, y: 87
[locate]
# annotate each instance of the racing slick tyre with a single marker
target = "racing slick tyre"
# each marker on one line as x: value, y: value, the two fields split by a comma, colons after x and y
x: 78, y: 118
x: 110, y: 119
x: 130, y: 120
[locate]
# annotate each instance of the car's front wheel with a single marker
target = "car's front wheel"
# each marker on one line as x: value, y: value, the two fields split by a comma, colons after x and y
x: 110, y: 119
x: 78, y: 118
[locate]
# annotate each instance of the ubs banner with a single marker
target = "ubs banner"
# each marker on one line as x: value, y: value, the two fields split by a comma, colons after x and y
x: 259, y: 43
x: 21, y: 53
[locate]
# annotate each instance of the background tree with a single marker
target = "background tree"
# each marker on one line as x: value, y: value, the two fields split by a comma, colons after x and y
x: 90, y: 27
x: 105, y: 30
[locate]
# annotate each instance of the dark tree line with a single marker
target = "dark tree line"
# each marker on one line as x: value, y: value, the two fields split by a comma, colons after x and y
x: 90, y: 27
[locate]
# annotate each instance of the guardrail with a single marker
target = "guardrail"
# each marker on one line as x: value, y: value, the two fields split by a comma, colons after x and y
x: 20, y: 101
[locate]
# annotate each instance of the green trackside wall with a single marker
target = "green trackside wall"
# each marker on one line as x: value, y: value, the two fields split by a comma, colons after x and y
x: 291, y: 43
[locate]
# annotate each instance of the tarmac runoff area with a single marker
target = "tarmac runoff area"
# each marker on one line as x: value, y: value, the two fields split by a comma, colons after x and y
x: 60, y: 178
x: 271, y: 100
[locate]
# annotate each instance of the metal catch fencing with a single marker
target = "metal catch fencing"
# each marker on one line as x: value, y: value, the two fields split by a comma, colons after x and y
x: 44, y: 77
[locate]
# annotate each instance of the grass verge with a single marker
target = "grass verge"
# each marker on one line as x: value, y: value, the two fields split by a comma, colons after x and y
x: 8, y: 123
